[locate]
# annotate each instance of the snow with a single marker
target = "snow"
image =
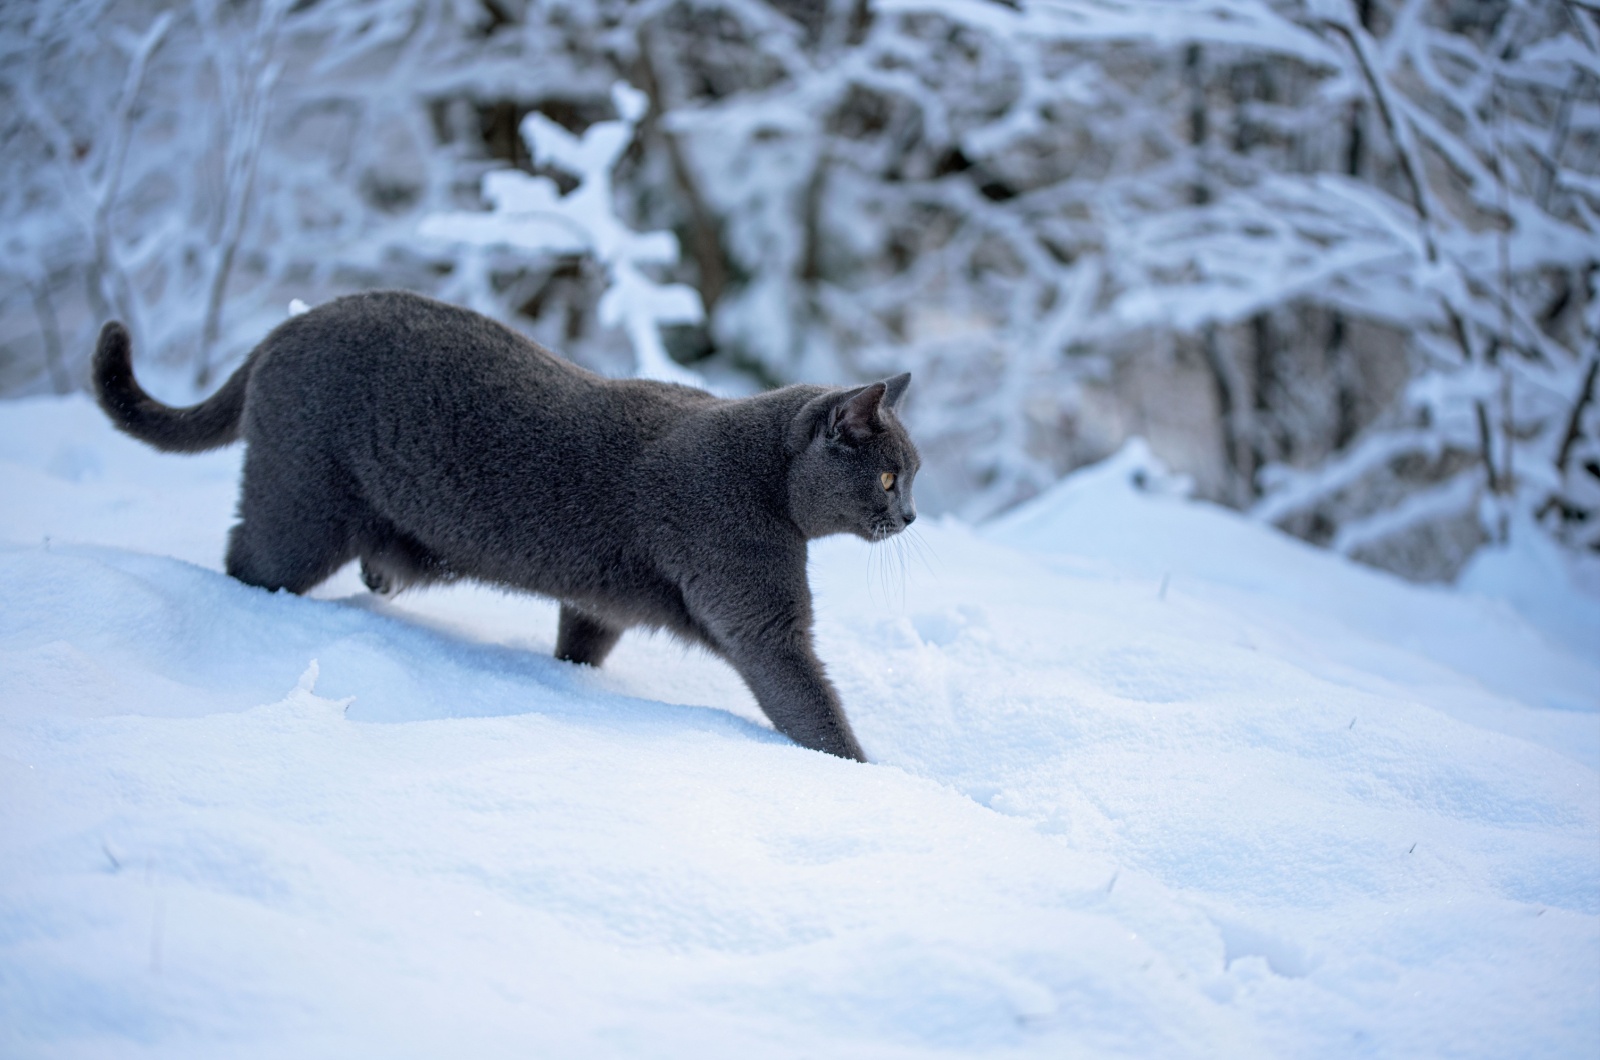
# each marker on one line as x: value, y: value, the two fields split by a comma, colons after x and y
x: 1150, y: 779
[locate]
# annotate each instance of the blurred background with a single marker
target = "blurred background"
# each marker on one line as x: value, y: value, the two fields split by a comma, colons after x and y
x: 1336, y: 261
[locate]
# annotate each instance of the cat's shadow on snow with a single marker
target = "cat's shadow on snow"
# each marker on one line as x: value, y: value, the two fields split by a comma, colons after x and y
x: 208, y: 644
x: 510, y: 671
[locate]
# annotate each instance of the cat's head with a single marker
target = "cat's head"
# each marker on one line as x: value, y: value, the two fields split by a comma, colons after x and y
x: 853, y: 463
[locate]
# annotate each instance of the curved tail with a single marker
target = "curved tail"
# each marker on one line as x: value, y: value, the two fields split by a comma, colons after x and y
x: 209, y: 425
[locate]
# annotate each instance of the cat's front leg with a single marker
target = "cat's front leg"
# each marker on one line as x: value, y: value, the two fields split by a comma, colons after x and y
x: 788, y: 682
x: 754, y: 610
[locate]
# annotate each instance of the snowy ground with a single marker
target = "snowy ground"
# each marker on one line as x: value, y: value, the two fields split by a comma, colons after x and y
x: 1150, y: 781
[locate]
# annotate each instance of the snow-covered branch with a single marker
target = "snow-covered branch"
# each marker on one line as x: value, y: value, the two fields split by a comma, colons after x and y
x: 530, y: 215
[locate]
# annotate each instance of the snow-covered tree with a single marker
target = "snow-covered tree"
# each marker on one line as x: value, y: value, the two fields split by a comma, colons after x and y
x: 1335, y: 259
x: 190, y: 168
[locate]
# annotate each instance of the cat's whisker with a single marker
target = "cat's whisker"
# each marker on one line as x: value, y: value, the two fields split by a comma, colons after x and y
x: 886, y: 567
x: 889, y: 573
x: 884, y: 561
x: 873, y: 564
x: 900, y: 565
x: 919, y: 547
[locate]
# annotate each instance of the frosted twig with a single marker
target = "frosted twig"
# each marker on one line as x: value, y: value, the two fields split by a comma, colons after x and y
x: 1405, y: 148
x: 140, y: 50
x: 248, y: 93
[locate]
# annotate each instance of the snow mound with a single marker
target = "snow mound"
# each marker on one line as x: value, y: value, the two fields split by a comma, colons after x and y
x: 1150, y: 780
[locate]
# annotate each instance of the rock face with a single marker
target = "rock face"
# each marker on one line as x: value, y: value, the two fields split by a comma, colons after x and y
x: 1334, y: 261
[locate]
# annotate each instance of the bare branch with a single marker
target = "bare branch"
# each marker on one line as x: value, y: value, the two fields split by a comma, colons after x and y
x: 251, y: 100
x: 705, y: 241
x: 50, y: 334
x: 1574, y: 429
x: 120, y: 297
x: 1405, y: 148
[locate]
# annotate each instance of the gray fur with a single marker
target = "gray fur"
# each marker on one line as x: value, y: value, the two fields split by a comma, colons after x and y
x: 433, y: 443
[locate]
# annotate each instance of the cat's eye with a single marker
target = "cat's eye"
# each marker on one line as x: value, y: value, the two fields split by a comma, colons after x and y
x: 887, y: 478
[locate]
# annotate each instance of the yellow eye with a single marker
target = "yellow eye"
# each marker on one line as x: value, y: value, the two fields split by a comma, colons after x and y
x: 887, y: 478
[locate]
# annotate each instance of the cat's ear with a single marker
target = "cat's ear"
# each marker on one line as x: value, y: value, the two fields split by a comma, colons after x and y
x: 895, y: 389
x: 855, y: 414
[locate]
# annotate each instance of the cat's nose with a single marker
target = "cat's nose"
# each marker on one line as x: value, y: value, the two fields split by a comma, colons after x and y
x: 910, y: 517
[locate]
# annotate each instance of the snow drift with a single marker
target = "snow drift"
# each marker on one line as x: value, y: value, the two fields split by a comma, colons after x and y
x: 1149, y: 780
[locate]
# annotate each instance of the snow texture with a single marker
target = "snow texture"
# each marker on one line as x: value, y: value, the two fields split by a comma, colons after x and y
x: 1150, y: 780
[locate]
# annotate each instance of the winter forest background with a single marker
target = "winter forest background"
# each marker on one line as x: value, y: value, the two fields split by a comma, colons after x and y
x: 1337, y: 261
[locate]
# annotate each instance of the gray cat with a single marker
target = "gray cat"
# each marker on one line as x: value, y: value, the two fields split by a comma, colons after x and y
x: 435, y: 444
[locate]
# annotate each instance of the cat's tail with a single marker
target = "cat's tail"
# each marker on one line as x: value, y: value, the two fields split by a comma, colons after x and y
x: 209, y: 425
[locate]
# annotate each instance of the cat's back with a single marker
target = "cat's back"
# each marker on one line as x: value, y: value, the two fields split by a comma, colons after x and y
x: 435, y: 409
x: 394, y: 343
x: 394, y: 356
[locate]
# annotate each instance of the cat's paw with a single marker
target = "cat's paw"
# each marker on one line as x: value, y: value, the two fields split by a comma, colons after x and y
x: 376, y: 580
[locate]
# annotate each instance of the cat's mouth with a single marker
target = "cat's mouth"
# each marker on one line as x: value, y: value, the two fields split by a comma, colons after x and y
x: 882, y: 529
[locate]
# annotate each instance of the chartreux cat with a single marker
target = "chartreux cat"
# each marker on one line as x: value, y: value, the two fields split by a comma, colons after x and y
x: 432, y: 443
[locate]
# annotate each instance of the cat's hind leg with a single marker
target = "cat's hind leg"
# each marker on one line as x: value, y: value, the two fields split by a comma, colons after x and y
x: 391, y: 561
x: 294, y: 526
x: 584, y: 639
